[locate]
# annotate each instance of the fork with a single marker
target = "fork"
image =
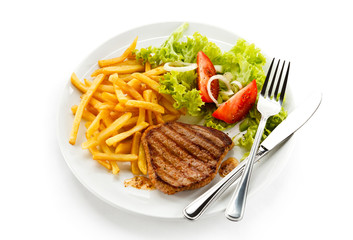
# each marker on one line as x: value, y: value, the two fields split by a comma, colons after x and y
x: 268, y: 105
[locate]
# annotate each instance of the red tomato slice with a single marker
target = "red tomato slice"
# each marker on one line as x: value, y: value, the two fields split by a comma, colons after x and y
x: 205, y: 71
x: 238, y: 105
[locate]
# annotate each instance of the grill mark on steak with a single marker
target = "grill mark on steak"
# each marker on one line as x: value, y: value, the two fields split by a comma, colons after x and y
x: 166, y: 177
x: 172, y: 161
x: 218, y: 139
x: 192, y: 148
x: 198, y: 140
x: 196, y: 164
x: 176, y: 178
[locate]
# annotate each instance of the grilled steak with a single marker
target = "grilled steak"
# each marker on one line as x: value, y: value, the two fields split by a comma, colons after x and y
x: 183, y: 156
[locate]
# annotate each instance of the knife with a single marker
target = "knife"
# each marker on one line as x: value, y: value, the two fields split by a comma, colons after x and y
x: 297, y: 118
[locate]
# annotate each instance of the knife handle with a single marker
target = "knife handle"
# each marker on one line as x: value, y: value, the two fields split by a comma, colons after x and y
x: 196, y: 208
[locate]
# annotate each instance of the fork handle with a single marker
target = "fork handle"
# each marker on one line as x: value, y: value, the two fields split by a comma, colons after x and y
x: 236, y: 206
x: 196, y: 208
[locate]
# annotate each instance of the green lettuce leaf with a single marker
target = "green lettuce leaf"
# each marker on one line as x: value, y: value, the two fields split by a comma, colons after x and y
x: 251, y: 122
x: 174, y: 50
x: 182, y: 87
x: 194, y: 44
x: 245, y: 62
x: 167, y: 52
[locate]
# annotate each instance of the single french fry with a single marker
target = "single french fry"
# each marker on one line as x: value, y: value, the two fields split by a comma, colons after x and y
x: 131, y: 56
x: 124, y: 146
x: 155, y: 78
x: 102, y: 87
x: 135, y: 143
x: 122, y: 76
x: 122, y: 98
x: 91, y: 142
x: 115, y: 157
x: 128, y: 51
x: 77, y: 83
x: 122, y: 108
x: 95, y: 103
x: 107, y: 121
x: 115, y: 167
x: 119, y: 69
x: 87, y: 82
x: 145, y: 79
x: 86, y: 115
x: 168, y: 97
x: 121, y: 136
x: 170, y: 117
x: 145, y: 105
x: 82, y: 87
x: 158, y: 115
x: 156, y: 71
x: 105, y: 164
x: 125, y: 87
x: 136, y: 84
x: 94, y: 126
x: 127, y: 62
x: 169, y: 106
x: 109, y: 97
x: 92, y: 109
x: 114, y: 115
x: 127, y: 78
x: 87, y: 124
x: 135, y: 150
x: 131, y: 122
x: 141, y: 116
x: 115, y: 126
x: 93, y: 150
x: 147, y: 66
x: 147, y: 95
x: 141, y: 161
x: 106, y: 88
x: 105, y: 148
x: 106, y: 106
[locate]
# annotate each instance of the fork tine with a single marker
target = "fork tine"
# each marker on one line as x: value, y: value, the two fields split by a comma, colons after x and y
x: 279, y: 81
x: 273, y: 80
x: 266, y: 80
x: 284, y: 85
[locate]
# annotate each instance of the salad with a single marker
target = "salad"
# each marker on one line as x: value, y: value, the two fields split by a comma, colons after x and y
x: 222, y: 87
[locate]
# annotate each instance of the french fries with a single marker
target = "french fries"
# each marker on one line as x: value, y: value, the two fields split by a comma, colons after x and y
x: 120, y: 102
x: 128, y: 51
x: 135, y: 150
x: 145, y: 105
x: 84, y: 102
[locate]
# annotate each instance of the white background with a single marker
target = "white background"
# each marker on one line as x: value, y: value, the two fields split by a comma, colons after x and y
x: 42, y: 42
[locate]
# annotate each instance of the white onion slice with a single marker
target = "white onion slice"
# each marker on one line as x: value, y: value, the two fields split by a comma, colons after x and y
x: 185, y: 66
x: 219, y: 68
x: 237, y: 83
x: 219, y: 77
x: 228, y: 92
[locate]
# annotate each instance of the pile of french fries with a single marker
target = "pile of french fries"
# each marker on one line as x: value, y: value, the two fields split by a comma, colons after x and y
x: 118, y: 105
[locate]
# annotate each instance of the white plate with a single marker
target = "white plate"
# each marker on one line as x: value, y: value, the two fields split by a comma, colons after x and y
x: 111, y: 188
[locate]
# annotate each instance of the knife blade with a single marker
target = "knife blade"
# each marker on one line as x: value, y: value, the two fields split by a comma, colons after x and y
x: 296, y: 119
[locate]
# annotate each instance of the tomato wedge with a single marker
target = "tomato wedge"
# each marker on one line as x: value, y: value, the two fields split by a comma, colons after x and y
x: 206, y: 70
x: 238, y: 105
